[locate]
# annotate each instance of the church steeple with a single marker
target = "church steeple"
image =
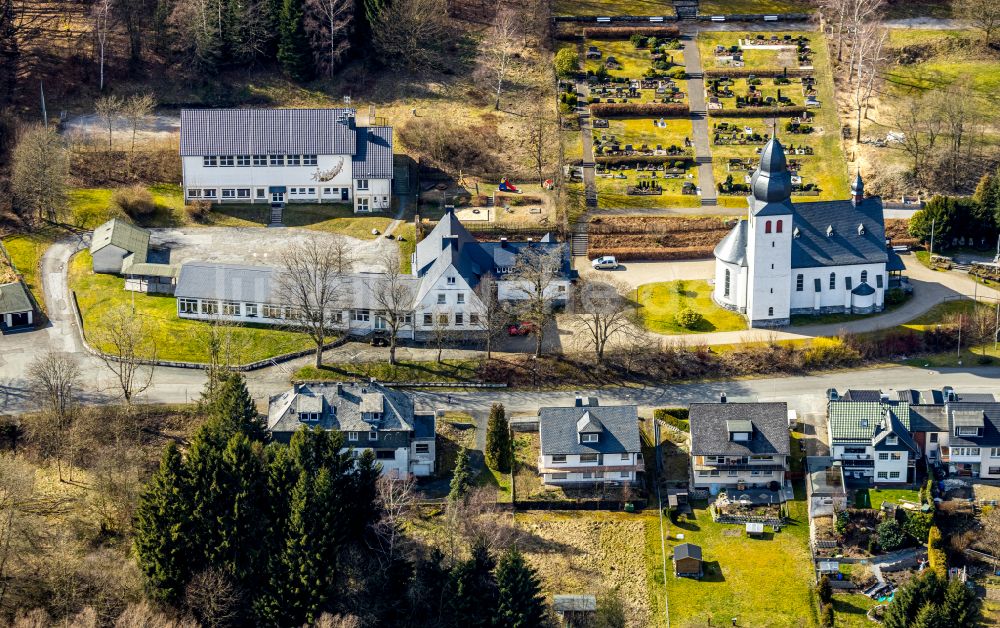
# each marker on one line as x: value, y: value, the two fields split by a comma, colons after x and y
x: 772, y: 183
x: 857, y: 189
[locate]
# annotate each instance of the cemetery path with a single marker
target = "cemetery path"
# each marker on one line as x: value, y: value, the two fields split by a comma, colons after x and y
x: 589, y: 174
x: 699, y: 119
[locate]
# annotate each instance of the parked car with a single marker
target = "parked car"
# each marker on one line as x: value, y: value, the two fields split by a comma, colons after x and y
x: 522, y: 328
x: 608, y: 262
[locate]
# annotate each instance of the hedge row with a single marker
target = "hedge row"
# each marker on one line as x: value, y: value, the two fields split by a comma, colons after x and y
x: 758, y: 72
x: 650, y: 253
x: 678, y: 417
x: 758, y: 112
x: 624, y: 32
x: 640, y: 109
x: 643, y: 159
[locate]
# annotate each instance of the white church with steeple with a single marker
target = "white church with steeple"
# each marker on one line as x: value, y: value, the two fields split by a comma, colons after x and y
x: 806, y: 258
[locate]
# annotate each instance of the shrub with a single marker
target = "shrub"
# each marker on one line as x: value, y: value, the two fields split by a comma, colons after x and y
x: 678, y: 73
x: 198, y: 211
x: 841, y: 522
x: 758, y: 112
x: 688, y: 318
x: 936, y: 557
x: 826, y: 353
x: 762, y: 72
x: 918, y: 525
x: 663, y: 110
x: 637, y: 40
x: 134, y: 200
x: 673, y: 160
x: 676, y: 417
x: 895, y: 297
x: 824, y: 590
x: 890, y: 535
x: 567, y: 62
x: 826, y: 616
x: 626, y: 32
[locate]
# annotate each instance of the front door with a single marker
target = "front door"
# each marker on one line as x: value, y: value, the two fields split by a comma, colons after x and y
x: 379, y: 322
x: 277, y: 193
x: 345, y: 194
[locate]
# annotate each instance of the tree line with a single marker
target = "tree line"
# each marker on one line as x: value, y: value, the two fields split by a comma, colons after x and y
x: 972, y: 221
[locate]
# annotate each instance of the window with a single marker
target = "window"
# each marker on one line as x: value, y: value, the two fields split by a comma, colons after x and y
x: 588, y: 457
x: 271, y: 311
x: 373, y: 435
x: 362, y: 184
x: 833, y: 281
x: 194, y: 193
x: 227, y: 161
x: 327, y: 191
x: 994, y: 452
x: 882, y: 475
x: 209, y: 161
x: 385, y: 454
x: 770, y: 311
x: 559, y: 459
x: 894, y: 475
x: 625, y: 475
x: 309, y: 160
x: 767, y: 227
x: 883, y: 456
x: 967, y: 431
x: 260, y: 160
x: 230, y: 308
x: 965, y: 451
x: 848, y: 283
x: 243, y: 193
x: 461, y: 298
x: 428, y: 320
x: 726, y: 285
x: 854, y: 450
x: 442, y: 319
x: 799, y: 283
x: 251, y: 310
x: 209, y: 307
x: 588, y: 438
x: 459, y: 318
x: 276, y: 160
x: 896, y: 456
x: 934, y: 437
x: 228, y: 193
x: 892, y: 440
x: 878, y: 281
x: 777, y: 227
x: 187, y: 306
x: 994, y: 470
x: 733, y: 473
x: 626, y: 456
x: 422, y: 448
x: 864, y: 276
x: 473, y: 319
x: 361, y: 316
x: 442, y: 298
x: 451, y: 281
x: 598, y: 475
x: 293, y: 160
x: 362, y: 203
x: 208, y: 193
x: 243, y: 160
x: 352, y: 436
x: 261, y: 192
x: 558, y: 476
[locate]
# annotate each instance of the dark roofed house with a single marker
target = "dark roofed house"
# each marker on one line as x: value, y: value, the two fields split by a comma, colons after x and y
x: 688, y: 561
x: 735, y: 444
x: 369, y: 415
x: 587, y: 443
x: 17, y: 309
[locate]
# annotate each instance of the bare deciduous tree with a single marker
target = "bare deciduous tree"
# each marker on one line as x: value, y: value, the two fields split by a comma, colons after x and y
x: 395, y: 498
x: 40, y: 172
x: 310, y: 282
x: 136, y: 109
x: 394, y: 296
x: 539, y: 132
x: 102, y: 27
x: 440, y: 333
x: 962, y: 123
x: 213, y: 598
x: 55, y: 379
x: 499, y: 47
x: 536, y: 283
x: 329, y: 24
x: 605, y: 312
x: 224, y: 345
x: 416, y: 33
x: 126, y: 343
x: 17, y: 482
x: 491, y: 315
x: 859, y: 14
x: 983, y: 15
x: 919, y: 122
x: 869, y: 64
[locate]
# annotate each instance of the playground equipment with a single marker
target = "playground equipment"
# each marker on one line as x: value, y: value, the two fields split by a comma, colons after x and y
x: 507, y: 186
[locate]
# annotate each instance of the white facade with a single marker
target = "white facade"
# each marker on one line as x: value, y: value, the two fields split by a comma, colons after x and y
x: 769, y: 254
x: 417, y: 459
x: 712, y: 472
x: 569, y: 468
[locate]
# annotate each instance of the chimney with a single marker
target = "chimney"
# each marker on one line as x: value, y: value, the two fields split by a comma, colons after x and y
x: 449, y: 241
x: 722, y: 398
x: 503, y: 243
x: 340, y: 389
x: 295, y: 388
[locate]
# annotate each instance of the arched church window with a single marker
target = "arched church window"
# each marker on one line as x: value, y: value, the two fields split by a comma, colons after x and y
x: 770, y: 311
x: 833, y: 281
x: 777, y: 227
x: 864, y: 276
x: 767, y: 227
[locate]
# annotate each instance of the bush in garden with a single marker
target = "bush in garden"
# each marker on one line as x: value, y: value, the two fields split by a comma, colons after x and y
x: 567, y: 62
x: 890, y: 535
x: 824, y: 590
x: 841, y: 522
x: 198, y: 211
x: 827, y: 615
x: 688, y: 318
x: 637, y: 40
x: 134, y: 200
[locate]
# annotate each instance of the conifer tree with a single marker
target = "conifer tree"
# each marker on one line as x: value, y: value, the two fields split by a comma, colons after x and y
x: 498, y: 445
x: 472, y: 599
x: 912, y: 597
x: 161, y: 520
x: 520, y: 602
x: 294, y: 52
x: 206, y: 482
x: 244, y: 492
x: 9, y: 52
x: 427, y: 593
x: 930, y: 616
x: 461, y: 479
x: 232, y: 407
x: 960, y: 605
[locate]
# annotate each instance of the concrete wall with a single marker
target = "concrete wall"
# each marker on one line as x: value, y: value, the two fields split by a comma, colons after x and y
x: 109, y: 259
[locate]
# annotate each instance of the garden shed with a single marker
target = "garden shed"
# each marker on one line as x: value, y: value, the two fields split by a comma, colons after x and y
x: 687, y: 561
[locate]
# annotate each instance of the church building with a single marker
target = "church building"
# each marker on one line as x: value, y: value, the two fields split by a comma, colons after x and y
x: 810, y: 258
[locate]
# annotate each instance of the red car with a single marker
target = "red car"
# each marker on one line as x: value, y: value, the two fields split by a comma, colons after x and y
x: 521, y: 329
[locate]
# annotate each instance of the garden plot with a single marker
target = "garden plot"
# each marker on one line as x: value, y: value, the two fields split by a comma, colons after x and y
x: 656, y: 237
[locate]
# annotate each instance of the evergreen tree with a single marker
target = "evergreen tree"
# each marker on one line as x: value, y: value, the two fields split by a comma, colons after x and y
x: 461, y: 479
x: 930, y: 616
x: 909, y: 599
x: 232, y: 408
x: 161, y: 529
x: 472, y: 596
x: 427, y: 593
x: 824, y: 590
x: 10, y: 53
x: 498, y: 445
x: 960, y: 606
x: 520, y: 602
x: 294, y: 52
x: 988, y: 194
x: 207, y: 480
x: 245, y: 522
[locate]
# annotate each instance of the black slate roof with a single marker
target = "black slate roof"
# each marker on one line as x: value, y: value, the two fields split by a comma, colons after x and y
x: 687, y: 550
x: 990, y: 413
x: 267, y: 132
x: 709, y: 435
x: 846, y: 245
x: 373, y: 157
x: 557, y: 429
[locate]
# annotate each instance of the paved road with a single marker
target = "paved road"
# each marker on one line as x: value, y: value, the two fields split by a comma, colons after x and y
x: 699, y: 121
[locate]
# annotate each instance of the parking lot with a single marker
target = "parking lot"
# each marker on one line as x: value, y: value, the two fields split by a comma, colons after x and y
x: 637, y: 273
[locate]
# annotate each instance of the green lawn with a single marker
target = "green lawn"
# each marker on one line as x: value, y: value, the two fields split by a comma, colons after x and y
x: 408, y: 232
x: 332, y: 218
x: 731, y: 7
x: 612, y: 7
x: 740, y: 578
x: 26, y: 252
x: 801, y: 320
x: 660, y: 301
x: 633, y: 61
x: 175, y: 338
x: 850, y: 610
x: 873, y: 498
x: 457, y: 371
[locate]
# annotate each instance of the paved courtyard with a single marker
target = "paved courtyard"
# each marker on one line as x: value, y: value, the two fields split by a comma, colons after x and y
x: 636, y: 274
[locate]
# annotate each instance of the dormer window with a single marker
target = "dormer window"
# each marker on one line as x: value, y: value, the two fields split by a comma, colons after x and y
x: 739, y: 431
x: 451, y: 281
x: 829, y: 231
x: 588, y: 438
x: 309, y: 416
x: 892, y: 440
x: 864, y: 423
x: 861, y: 229
x: 967, y: 431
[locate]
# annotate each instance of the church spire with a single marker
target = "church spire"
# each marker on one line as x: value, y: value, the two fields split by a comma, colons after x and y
x: 857, y: 189
x: 772, y: 183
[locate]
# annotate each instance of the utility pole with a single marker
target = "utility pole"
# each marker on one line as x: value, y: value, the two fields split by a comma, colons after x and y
x: 45, y: 115
x: 933, y: 220
x: 958, y: 351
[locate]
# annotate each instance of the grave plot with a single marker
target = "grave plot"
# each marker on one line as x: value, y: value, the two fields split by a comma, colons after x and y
x: 757, y: 50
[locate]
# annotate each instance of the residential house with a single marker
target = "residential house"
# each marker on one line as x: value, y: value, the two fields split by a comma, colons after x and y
x: 688, y: 561
x: 17, y: 309
x: 738, y: 444
x: 286, y: 156
x: 587, y: 443
x: 369, y: 415
x: 117, y: 244
x: 869, y: 434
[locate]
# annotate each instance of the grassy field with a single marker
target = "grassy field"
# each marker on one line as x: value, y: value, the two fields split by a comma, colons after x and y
x: 26, y: 252
x: 850, y: 610
x: 612, y: 7
x: 873, y: 498
x: 660, y: 301
x: 175, y: 338
x: 730, y: 7
x: 405, y: 371
x: 740, y: 576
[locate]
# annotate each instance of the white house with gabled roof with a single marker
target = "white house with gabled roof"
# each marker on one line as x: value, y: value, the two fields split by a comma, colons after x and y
x: 285, y: 156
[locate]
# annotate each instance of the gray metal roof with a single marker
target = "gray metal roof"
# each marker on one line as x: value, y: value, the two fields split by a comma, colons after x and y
x: 373, y: 155
x: 123, y: 234
x: 687, y: 550
x: 845, y: 246
x: 733, y: 248
x: 710, y: 436
x: 574, y: 603
x: 771, y: 182
x: 226, y: 282
x: 14, y: 299
x: 558, y: 430
x: 341, y: 407
x: 863, y: 290
x: 268, y: 132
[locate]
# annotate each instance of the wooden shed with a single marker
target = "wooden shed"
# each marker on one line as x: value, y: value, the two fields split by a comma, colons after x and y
x: 687, y: 561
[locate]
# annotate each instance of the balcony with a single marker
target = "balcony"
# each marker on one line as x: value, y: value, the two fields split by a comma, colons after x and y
x: 858, y: 463
x: 739, y: 467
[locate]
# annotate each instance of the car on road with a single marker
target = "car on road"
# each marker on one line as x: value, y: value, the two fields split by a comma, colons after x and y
x: 608, y: 262
x: 522, y: 328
